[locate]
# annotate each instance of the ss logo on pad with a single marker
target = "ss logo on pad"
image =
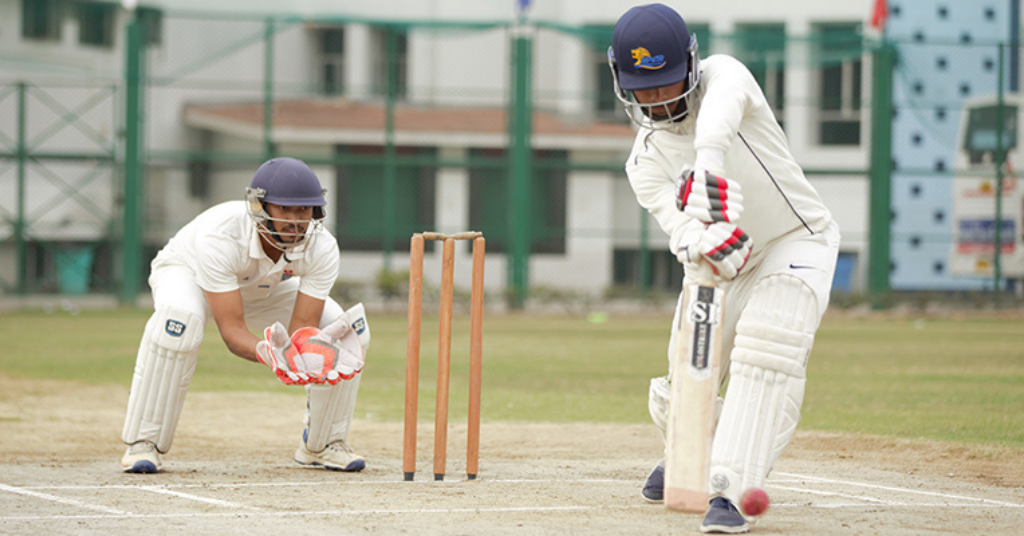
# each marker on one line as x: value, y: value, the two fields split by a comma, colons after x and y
x: 174, y: 328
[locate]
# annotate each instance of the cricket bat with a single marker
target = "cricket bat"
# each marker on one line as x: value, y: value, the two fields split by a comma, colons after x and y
x: 696, y: 360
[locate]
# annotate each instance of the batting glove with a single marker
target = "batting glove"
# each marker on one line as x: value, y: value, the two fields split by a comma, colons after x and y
x: 709, y: 198
x: 725, y: 246
x: 277, y: 352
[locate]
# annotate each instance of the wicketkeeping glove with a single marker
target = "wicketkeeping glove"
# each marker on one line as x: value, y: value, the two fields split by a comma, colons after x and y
x: 709, y: 198
x: 331, y: 354
x: 277, y: 352
x: 725, y: 246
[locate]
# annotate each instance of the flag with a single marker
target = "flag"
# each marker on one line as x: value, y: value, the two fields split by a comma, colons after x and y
x: 880, y: 13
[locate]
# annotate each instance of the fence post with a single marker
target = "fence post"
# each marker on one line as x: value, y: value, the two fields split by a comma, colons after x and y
x: 19, y: 223
x: 390, y: 182
x: 645, y: 253
x: 881, y: 172
x: 268, y: 89
x: 520, y: 141
x: 134, y: 187
x: 997, y: 252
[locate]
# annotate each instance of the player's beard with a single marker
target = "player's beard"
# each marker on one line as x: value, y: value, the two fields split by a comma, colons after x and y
x: 290, y: 232
x: 287, y: 233
x: 661, y: 113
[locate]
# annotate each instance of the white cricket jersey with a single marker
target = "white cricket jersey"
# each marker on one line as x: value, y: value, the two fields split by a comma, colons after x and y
x: 729, y: 112
x: 222, y: 248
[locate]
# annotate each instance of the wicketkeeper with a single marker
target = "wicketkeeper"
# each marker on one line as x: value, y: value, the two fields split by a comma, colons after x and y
x: 713, y: 166
x: 264, y: 262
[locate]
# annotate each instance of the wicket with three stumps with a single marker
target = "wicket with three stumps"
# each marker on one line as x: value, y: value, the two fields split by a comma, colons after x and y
x: 412, y: 361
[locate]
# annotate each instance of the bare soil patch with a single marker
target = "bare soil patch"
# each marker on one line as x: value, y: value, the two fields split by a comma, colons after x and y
x: 59, y: 473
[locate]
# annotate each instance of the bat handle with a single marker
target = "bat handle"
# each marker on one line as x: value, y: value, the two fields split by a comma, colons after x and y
x: 702, y: 273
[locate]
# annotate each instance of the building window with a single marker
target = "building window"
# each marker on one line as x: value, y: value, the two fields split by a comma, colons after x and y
x: 663, y: 271
x: 360, y: 202
x: 153, y: 19
x: 199, y: 178
x: 839, y: 55
x: 383, y: 39
x: 606, y: 104
x: 597, y: 39
x: 332, y: 49
x: 489, y: 200
x: 96, y: 24
x: 762, y: 48
x: 40, y: 19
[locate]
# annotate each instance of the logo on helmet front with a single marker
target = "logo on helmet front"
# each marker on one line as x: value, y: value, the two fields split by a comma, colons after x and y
x: 644, y: 60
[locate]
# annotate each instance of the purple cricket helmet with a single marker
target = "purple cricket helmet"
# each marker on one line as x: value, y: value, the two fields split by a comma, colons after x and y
x: 286, y: 182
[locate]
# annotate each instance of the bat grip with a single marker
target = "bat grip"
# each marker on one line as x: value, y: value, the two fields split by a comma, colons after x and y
x: 702, y: 274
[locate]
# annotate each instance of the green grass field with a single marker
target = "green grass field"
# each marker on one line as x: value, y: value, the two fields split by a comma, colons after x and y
x: 934, y: 379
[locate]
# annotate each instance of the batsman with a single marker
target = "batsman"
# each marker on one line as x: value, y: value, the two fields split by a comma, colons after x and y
x: 713, y: 166
x: 265, y: 262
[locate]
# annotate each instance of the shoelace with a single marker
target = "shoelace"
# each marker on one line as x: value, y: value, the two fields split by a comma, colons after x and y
x: 342, y: 446
x: 142, y: 447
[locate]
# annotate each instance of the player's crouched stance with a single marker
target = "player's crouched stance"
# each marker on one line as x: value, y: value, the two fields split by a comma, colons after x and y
x: 708, y: 157
x: 264, y: 261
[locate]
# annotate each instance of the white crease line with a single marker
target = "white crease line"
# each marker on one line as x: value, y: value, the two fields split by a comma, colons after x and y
x: 901, y: 490
x: 72, y: 502
x: 265, y: 513
x: 831, y: 494
x: 420, y: 511
x: 188, y: 496
x: 481, y: 481
x: 898, y: 505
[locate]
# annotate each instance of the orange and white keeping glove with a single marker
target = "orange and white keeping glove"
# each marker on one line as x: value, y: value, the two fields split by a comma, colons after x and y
x: 277, y: 352
x: 331, y: 354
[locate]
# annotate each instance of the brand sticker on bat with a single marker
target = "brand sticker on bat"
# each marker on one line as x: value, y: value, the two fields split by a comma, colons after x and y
x: 703, y: 315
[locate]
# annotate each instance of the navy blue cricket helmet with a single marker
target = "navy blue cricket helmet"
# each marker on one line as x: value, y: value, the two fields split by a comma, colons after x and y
x: 653, y: 48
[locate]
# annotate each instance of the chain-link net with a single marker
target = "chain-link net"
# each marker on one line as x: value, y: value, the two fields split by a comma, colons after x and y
x: 411, y: 127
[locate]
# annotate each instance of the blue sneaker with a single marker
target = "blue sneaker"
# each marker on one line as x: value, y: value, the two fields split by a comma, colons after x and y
x: 723, y: 518
x: 337, y: 456
x: 141, y: 457
x: 654, y: 487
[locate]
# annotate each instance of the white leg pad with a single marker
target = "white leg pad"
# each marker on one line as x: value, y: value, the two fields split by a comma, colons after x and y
x: 329, y: 408
x: 163, y: 370
x: 658, y: 398
x: 329, y: 411
x: 657, y: 403
x: 774, y: 336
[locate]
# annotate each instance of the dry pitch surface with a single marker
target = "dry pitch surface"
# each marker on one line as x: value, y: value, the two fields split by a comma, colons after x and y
x: 230, y: 472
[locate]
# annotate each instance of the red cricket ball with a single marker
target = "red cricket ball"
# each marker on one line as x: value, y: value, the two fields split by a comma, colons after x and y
x: 754, y: 502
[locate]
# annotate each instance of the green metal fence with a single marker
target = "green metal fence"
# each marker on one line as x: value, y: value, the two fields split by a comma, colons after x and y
x: 96, y: 173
